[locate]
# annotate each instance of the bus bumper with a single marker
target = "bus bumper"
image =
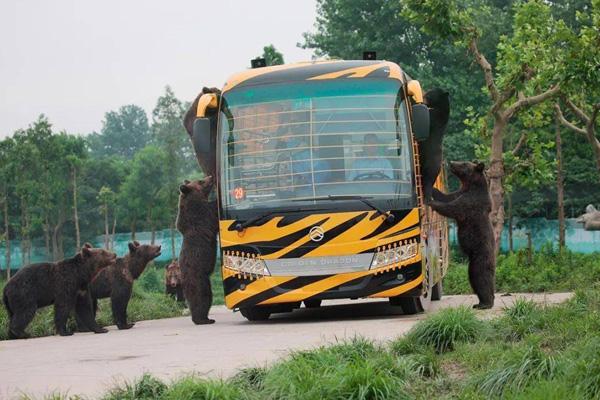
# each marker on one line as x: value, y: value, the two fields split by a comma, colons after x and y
x: 242, y: 292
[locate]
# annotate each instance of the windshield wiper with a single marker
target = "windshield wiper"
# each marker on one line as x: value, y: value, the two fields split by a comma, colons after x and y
x: 389, y: 217
x: 240, y: 226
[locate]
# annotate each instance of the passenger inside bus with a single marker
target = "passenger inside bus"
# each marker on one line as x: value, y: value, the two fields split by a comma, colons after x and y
x: 371, y: 165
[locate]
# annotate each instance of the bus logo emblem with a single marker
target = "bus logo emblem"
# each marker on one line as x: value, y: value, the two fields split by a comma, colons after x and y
x: 316, y: 234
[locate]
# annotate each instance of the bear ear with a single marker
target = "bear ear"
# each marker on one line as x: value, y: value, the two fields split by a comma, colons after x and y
x: 136, y: 243
x: 480, y: 167
x: 184, y: 189
x: 186, y: 182
x: 132, y: 247
x: 86, y: 244
x: 86, y: 251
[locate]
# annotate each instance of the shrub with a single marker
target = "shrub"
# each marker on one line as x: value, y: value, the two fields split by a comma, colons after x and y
x: 194, y: 388
x: 583, y: 370
x: 447, y: 327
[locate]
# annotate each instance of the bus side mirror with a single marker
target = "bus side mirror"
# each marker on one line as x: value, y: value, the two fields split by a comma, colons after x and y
x: 201, y: 136
x: 420, y: 122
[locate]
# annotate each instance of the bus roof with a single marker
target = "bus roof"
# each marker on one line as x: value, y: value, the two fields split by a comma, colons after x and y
x: 316, y: 70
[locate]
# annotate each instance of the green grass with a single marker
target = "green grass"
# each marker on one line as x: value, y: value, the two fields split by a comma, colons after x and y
x: 147, y: 302
x: 549, y: 271
x: 449, y: 355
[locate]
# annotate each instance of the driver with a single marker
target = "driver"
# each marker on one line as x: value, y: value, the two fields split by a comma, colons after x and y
x: 371, y: 163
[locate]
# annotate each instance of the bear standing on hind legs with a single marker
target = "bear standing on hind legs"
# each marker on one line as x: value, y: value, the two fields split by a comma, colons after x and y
x: 470, y: 206
x: 197, y: 221
x: 430, y: 150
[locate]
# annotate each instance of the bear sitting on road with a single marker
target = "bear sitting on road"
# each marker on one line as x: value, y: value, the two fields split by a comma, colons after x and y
x: 173, y: 281
x: 430, y: 150
x: 116, y: 282
x: 58, y: 283
x: 197, y: 221
x: 470, y: 206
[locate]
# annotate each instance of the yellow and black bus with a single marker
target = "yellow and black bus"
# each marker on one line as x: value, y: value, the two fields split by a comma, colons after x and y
x: 319, y: 188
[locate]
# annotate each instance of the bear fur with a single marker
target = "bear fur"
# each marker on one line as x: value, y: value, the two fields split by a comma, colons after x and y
x: 470, y: 206
x: 197, y: 220
x: 116, y: 282
x: 430, y: 150
x: 207, y: 164
x: 58, y: 283
x: 173, y: 281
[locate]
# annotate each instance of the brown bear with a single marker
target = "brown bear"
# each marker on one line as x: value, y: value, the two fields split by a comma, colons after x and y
x: 197, y: 220
x: 173, y: 281
x: 470, y: 206
x: 430, y: 150
x: 58, y: 283
x: 116, y: 282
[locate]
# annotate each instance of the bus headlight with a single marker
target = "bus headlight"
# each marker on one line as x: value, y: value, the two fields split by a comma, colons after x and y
x: 395, y: 255
x: 246, y: 265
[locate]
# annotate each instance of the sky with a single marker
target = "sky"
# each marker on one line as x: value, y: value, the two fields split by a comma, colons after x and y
x: 75, y: 60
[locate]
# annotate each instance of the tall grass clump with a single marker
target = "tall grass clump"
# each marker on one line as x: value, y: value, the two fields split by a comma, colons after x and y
x: 194, y: 388
x: 446, y: 328
x: 583, y: 370
x: 145, y: 388
x: 517, y: 370
x: 357, y: 369
x: 520, y: 319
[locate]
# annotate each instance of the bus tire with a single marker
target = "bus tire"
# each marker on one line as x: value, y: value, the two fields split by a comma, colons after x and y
x: 437, y: 291
x: 256, y: 313
x: 409, y: 305
x: 312, y: 303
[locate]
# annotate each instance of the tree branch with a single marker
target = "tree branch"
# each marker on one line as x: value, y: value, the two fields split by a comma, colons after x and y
x: 592, y: 121
x: 519, y: 144
x: 487, y: 69
x: 577, y: 111
x: 566, y: 123
x: 531, y: 101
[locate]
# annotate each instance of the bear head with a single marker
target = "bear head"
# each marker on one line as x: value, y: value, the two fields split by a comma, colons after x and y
x: 469, y: 173
x: 139, y: 256
x: 196, y: 190
x: 95, y: 259
x: 438, y: 101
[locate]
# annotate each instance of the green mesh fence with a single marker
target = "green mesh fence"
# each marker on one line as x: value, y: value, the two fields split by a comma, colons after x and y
x: 542, y: 231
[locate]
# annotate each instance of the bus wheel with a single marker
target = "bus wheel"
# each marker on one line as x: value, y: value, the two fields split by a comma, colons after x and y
x: 437, y: 291
x: 256, y: 313
x: 409, y: 305
x: 313, y: 303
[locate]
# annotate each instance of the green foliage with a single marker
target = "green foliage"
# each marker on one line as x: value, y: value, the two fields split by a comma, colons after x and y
x: 550, y: 270
x: 446, y: 328
x: 272, y: 56
x: 124, y: 132
x: 145, y: 388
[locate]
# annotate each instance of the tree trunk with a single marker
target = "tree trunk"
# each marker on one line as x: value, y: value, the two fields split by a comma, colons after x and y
x: 106, y: 239
x: 560, y: 189
x: 75, y: 213
x: 510, y: 223
x: 132, y: 231
x: 46, y: 229
x: 7, y: 234
x: 112, y: 236
x: 496, y: 174
x: 591, y: 134
x: 172, y: 242
x: 153, y: 235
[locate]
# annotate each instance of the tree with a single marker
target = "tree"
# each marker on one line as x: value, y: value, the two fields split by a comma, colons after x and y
x: 6, y: 148
x: 106, y: 197
x: 581, y: 92
x: 272, y: 56
x: 124, y: 132
x: 169, y: 134
x: 528, y: 70
x: 139, y: 196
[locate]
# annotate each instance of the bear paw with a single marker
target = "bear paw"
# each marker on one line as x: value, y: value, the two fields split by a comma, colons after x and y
x: 482, y: 306
x: 66, y: 333
x: 100, y: 330
x: 125, y: 326
x: 206, y: 321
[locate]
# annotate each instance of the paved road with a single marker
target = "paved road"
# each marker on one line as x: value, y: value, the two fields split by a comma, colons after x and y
x: 88, y: 364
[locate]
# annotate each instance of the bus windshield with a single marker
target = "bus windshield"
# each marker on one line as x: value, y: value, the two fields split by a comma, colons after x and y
x: 289, y: 145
